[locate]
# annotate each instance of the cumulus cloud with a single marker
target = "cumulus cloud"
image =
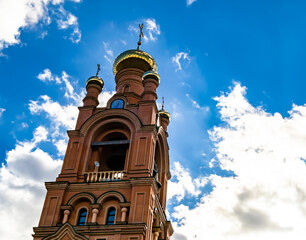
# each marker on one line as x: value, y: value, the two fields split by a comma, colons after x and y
x: 182, y: 183
x: 177, y: 58
x: 62, y: 116
x: 151, y: 29
x: 189, y: 2
x: 15, y: 17
x: 68, y: 20
x: 264, y: 197
x: 47, y: 76
x: 22, y: 185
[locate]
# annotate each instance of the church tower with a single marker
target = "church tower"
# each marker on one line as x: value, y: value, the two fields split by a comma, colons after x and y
x: 113, y: 182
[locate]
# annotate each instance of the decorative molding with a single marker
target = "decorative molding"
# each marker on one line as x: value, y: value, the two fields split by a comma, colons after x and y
x: 66, y: 230
x: 89, y: 196
x: 111, y: 113
x: 108, y: 186
x: 115, y: 194
x: 57, y: 185
x: 50, y: 211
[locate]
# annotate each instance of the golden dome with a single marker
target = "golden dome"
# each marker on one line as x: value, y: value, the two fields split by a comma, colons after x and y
x: 151, y: 73
x: 136, y: 58
x: 164, y: 114
x: 95, y: 80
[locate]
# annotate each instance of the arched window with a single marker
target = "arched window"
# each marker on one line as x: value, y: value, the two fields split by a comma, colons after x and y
x: 117, y: 103
x: 82, y: 217
x: 111, y: 216
x: 126, y: 88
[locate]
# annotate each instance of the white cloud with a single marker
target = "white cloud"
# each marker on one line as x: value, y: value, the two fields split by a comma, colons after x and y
x: 61, y: 116
x: 265, y: 199
x: 177, y: 58
x: 68, y: 20
x: 189, y: 2
x: 151, y: 29
x: 109, y: 52
x: 14, y: 17
x: 107, y: 49
x: 43, y: 34
x: 24, y: 125
x: 183, y: 183
x: 104, y: 97
x: 197, y: 105
x: 47, y: 76
x: 22, y: 188
x: 61, y: 146
x: 70, y: 93
x: 2, y: 110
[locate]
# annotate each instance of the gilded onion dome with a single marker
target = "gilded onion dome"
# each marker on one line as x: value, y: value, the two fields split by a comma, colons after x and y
x: 134, y: 58
x: 95, y: 80
x: 151, y: 74
x: 164, y: 114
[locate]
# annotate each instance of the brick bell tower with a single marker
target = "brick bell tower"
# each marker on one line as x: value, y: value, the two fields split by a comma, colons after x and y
x: 113, y: 182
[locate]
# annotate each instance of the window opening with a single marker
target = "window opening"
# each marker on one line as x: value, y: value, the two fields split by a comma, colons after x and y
x: 111, y: 216
x: 82, y: 217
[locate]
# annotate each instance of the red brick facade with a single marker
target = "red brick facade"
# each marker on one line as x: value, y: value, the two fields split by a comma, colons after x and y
x: 113, y: 182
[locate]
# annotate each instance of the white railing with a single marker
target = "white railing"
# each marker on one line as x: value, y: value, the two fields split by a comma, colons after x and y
x: 106, y: 176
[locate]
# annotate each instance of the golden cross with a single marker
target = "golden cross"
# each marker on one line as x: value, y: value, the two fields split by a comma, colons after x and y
x: 140, y: 35
x: 163, y: 103
x: 98, y: 70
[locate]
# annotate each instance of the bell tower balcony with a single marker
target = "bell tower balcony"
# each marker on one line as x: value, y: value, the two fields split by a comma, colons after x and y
x: 104, y: 176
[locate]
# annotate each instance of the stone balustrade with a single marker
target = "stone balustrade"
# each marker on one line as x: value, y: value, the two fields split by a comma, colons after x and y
x: 105, y: 176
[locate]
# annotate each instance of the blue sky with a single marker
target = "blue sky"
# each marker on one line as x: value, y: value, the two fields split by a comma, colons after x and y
x: 233, y: 78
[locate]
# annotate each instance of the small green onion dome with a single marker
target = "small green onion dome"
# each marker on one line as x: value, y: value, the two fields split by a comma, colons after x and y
x: 95, y: 80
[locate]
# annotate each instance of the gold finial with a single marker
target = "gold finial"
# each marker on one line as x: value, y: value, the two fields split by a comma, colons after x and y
x: 163, y: 103
x: 140, y: 35
x: 98, y: 70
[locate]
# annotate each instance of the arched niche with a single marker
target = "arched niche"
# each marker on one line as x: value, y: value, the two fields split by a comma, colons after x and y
x: 110, y: 200
x: 79, y: 202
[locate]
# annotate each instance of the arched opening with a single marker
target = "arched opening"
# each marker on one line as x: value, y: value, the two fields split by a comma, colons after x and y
x: 82, y: 217
x: 126, y: 88
x: 115, y: 154
x: 111, y: 214
x: 110, y: 148
x: 157, y: 165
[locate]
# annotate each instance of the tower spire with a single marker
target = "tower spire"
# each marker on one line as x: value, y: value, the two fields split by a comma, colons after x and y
x: 140, y: 35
